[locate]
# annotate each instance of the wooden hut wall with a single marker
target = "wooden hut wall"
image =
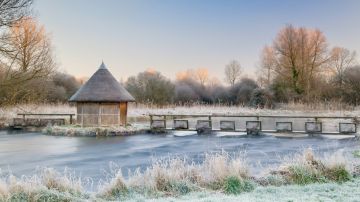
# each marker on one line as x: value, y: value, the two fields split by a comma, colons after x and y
x: 109, y: 114
x: 98, y: 114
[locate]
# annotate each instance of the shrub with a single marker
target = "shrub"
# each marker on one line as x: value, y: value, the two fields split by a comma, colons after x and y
x: 52, y: 195
x: 338, y: 174
x: 235, y: 185
x: 356, y: 153
x: 180, y: 188
x: 116, y: 188
x: 260, y: 98
x: 303, y: 175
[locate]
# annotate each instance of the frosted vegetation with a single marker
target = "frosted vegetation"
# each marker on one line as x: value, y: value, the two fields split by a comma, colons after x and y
x: 139, y: 112
x: 221, y: 176
x: 76, y: 130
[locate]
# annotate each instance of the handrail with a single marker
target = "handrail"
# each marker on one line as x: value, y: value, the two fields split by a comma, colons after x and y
x: 255, y: 116
x: 45, y: 114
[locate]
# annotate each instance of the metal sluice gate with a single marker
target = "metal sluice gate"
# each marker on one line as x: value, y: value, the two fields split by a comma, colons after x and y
x: 254, y: 124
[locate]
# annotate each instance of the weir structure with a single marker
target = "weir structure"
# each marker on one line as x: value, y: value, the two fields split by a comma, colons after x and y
x: 254, y: 124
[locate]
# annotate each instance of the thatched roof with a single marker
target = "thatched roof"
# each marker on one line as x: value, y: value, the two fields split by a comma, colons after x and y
x: 102, y: 87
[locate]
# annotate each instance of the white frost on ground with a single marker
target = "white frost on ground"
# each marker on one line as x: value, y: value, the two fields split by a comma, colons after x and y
x: 141, y: 110
x: 348, y: 191
x: 75, y: 130
x: 221, y: 109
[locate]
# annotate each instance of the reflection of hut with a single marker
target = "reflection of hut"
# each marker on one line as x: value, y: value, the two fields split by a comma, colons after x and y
x: 102, y: 100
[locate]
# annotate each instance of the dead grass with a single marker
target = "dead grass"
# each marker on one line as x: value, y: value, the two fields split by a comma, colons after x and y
x: 139, y: 112
x: 305, y: 168
x: 176, y: 176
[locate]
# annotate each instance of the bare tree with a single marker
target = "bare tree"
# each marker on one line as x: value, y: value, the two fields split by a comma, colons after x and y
x: 30, y: 57
x: 202, y: 75
x: 11, y: 11
x: 299, y: 56
x: 185, y: 75
x: 151, y: 87
x: 267, y: 66
x: 341, y: 59
x: 232, y: 72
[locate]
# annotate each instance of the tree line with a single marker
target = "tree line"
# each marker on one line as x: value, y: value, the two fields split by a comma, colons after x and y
x: 195, y: 86
x: 299, y: 66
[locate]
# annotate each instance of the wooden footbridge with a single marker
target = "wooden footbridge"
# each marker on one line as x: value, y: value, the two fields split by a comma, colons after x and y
x: 40, y: 120
x: 254, y: 124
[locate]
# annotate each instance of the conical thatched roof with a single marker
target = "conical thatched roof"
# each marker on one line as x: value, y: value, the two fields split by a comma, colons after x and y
x: 102, y: 87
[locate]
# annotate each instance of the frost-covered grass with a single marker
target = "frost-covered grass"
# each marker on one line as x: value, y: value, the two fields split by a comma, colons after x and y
x: 220, y: 177
x: 139, y: 111
x: 8, y: 113
x: 286, y: 109
x: 305, y: 168
x: 348, y: 191
x: 48, y: 185
x: 76, y: 130
x: 356, y: 153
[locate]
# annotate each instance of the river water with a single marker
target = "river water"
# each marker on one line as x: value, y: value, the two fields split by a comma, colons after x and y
x: 24, y: 153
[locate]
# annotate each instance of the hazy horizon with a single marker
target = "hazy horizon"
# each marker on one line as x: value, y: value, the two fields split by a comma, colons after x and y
x: 173, y: 36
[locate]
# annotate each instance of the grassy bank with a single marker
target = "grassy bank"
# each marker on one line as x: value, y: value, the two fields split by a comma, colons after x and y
x: 220, y: 176
x: 76, y: 130
x: 348, y: 191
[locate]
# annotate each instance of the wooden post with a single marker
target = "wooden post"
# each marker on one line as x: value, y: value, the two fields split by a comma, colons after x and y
x: 151, y: 121
x: 99, y: 115
x: 123, y: 113
x: 70, y: 119
x: 210, y: 123
x: 82, y: 115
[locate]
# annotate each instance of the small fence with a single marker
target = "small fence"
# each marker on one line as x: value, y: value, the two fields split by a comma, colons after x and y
x: 40, y: 122
x: 254, y: 124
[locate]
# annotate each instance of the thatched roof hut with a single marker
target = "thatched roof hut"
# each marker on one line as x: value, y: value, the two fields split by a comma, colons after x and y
x: 102, y: 100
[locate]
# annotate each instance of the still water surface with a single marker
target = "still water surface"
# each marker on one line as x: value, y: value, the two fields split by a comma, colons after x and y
x: 23, y: 153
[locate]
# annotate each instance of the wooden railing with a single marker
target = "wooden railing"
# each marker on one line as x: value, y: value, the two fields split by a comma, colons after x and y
x: 43, y: 114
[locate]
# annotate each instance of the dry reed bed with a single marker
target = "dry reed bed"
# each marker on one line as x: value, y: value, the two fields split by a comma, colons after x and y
x: 139, y: 112
x: 219, y: 172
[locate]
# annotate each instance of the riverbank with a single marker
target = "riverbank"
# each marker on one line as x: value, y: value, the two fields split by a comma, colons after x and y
x: 220, y: 177
x: 348, y: 191
x: 76, y: 130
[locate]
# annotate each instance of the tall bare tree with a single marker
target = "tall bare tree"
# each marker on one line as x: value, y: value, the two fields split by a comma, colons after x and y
x: 30, y: 57
x: 232, y: 72
x: 267, y: 67
x: 299, y: 55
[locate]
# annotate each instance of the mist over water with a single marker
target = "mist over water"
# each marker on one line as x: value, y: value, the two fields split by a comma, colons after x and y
x: 23, y: 153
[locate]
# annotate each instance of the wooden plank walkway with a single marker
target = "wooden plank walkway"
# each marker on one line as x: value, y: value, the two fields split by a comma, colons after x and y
x: 40, y: 122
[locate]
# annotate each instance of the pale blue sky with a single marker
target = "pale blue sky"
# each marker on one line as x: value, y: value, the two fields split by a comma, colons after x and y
x: 171, y: 36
